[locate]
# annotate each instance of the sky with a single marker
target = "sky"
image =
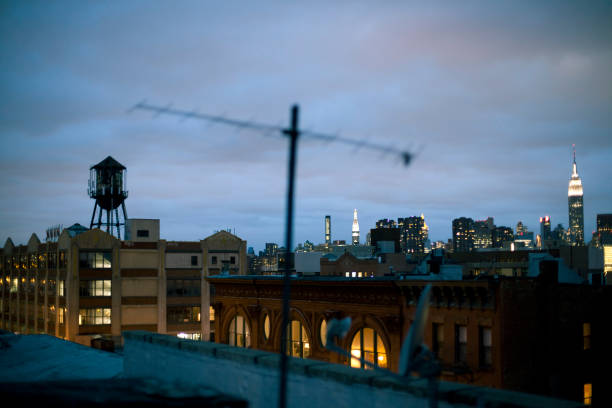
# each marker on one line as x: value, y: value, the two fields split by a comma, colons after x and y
x: 490, y: 96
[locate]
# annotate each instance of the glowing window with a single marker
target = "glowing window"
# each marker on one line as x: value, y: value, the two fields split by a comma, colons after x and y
x: 267, y: 327
x: 368, y: 345
x: 94, y: 316
x: 239, y: 332
x: 298, y: 344
x: 588, y: 394
x: 586, y: 335
x: 323, y: 332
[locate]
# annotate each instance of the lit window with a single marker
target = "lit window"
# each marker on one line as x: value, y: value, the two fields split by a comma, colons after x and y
x: 461, y: 344
x: 586, y: 335
x: 354, y: 274
x: 95, y: 288
x: 239, y: 332
x: 368, y: 345
x: 95, y: 260
x: 323, y: 332
x: 486, y: 358
x: 62, y: 288
x: 347, y: 274
x: 94, y: 316
x: 267, y: 327
x: 211, y: 312
x: 298, y: 344
x: 183, y: 314
x: 190, y: 336
x: 588, y: 394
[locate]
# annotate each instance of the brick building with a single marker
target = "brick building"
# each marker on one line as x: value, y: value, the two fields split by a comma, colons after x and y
x: 531, y: 335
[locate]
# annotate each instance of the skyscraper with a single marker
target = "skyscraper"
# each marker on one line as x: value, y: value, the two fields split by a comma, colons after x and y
x: 482, y: 233
x: 355, y: 228
x: 545, y: 233
x: 575, y: 207
x: 328, y: 230
x: 413, y: 234
x: 463, y: 234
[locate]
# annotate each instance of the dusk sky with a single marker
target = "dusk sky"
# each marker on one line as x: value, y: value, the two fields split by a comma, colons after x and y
x: 491, y: 95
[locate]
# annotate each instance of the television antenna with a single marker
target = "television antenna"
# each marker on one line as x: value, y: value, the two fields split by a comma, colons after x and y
x: 293, y: 133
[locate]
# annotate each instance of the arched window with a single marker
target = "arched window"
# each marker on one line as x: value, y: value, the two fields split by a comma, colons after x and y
x: 239, y: 332
x: 267, y: 327
x: 298, y: 344
x: 368, y: 345
x: 323, y: 332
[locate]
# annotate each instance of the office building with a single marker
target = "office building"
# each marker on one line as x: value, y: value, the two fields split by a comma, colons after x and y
x: 545, y: 232
x: 502, y: 237
x: 483, y: 230
x: 90, y: 284
x: 413, y: 234
x: 463, y: 234
x: 575, y: 207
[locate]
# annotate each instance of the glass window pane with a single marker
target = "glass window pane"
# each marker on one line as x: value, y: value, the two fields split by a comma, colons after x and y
x: 267, y: 327
x: 323, y: 332
x: 368, y: 339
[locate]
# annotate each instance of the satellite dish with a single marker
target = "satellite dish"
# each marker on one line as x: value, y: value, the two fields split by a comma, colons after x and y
x: 413, y: 344
x: 336, y: 329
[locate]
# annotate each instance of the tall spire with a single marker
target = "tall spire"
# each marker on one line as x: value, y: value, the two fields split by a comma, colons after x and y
x: 575, y: 205
x: 355, y: 228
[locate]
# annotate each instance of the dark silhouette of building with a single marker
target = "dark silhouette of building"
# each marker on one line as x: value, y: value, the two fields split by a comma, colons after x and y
x: 463, y: 234
x: 385, y: 240
x: 482, y: 233
x: 502, y: 237
x: 604, y: 229
x: 545, y: 232
x: 575, y: 207
x: 413, y: 236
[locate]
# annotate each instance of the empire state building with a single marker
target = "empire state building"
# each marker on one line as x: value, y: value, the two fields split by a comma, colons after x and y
x: 575, y: 207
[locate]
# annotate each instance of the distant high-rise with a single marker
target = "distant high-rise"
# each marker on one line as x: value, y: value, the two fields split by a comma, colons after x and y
x: 482, y: 233
x: 386, y: 223
x: 413, y: 235
x: 328, y: 230
x: 463, y: 234
x: 545, y: 233
x: 604, y: 229
x: 575, y: 207
x: 355, y: 233
x: 501, y: 236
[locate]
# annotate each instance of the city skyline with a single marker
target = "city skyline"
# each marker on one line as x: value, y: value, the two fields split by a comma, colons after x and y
x: 491, y: 98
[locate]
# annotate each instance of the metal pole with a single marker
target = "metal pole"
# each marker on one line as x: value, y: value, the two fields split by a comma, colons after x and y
x: 293, y: 134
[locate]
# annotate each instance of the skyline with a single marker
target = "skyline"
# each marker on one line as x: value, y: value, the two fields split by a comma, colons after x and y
x: 492, y: 99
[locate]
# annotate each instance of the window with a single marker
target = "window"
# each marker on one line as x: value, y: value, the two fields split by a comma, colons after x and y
x: 485, y: 357
x: 239, y: 332
x: 61, y: 312
x: 95, y: 260
x: 588, y: 394
x: 586, y: 336
x: 233, y: 260
x: 142, y: 233
x: 437, y: 339
x: 267, y: 327
x: 62, y: 259
x: 460, y: 344
x: 94, y: 316
x: 95, y: 288
x: 297, y: 340
x: 368, y: 345
x: 323, y: 332
x: 213, y: 260
x: 194, y: 260
x: 183, y: 287
x: 62, y: 288
x: 211, y: 313
x: 190, y: 336
x: 183, y: 314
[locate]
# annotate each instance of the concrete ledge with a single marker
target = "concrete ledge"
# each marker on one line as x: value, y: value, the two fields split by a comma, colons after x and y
x: 247, y: 373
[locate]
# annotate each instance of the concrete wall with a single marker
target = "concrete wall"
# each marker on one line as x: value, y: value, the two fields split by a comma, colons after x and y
x: 253, y: 375
x: 183, y: 260
x: 132, y: 226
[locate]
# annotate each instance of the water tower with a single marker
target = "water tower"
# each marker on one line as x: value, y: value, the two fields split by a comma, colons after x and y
x: 107, y: 185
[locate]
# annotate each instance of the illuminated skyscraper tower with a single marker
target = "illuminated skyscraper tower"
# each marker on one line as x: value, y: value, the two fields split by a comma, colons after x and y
x: 575, y: 207
x: 355, y: 228
x: 328, y: 230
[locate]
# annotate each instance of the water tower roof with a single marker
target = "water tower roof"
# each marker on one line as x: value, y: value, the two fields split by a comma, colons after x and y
x: 109, y: 162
